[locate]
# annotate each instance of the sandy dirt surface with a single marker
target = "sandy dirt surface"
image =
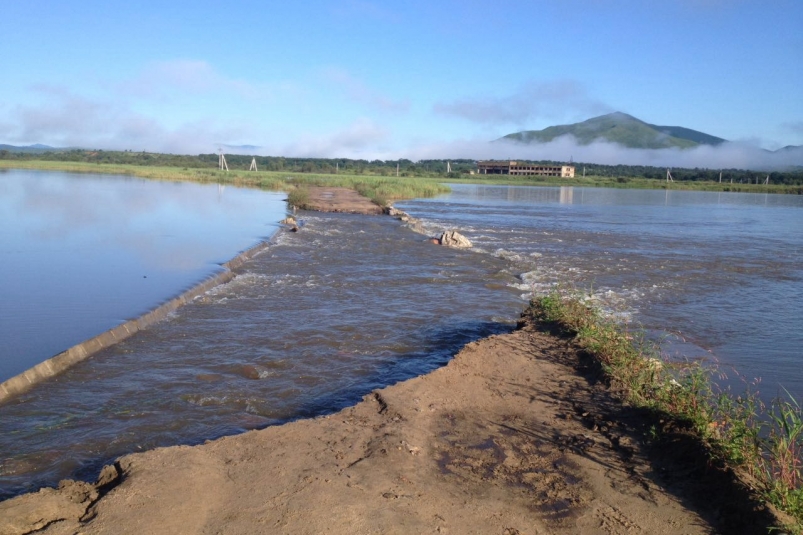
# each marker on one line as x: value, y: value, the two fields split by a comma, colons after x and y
x: 513, y: 436
x: 325, y: 199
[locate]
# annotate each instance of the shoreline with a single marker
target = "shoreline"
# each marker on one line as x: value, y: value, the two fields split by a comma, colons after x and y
x: 60, y: 362
x: 514, y: 435
x: 322, y: 199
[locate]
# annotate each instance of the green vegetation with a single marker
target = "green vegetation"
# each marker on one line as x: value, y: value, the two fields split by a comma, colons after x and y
x: 764, y: 445
x: 203, y: 167
x: 406, y: 168
x: 381, y: 190
x: 731, y: 178
x: 299, y: 197
x: 623, y: 129
x: 29, y: 148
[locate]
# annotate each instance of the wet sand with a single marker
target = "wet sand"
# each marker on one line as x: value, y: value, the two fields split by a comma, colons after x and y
x: 326, y: 199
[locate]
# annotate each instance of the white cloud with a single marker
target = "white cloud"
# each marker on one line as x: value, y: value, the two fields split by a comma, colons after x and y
x: 187, y: 77
x: 534, y: 100
x: 361, y: 139
x: 357, y: 91
x: 795, y: 127
x: 65, y: 119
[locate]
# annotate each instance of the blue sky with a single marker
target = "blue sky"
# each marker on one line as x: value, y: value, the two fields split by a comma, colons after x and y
x: 416, y: 79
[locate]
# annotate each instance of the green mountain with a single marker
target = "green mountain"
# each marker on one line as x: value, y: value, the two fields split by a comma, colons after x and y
x: 790, y: 148
x: 29, y: 148
x: 623, y: 129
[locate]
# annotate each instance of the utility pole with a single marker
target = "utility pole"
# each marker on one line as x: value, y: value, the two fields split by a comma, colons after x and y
x: 253, y: 165
x: 669, y: 176
x: 222, y: 161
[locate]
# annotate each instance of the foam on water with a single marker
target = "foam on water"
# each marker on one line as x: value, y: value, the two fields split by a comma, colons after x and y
x: 718, y: 270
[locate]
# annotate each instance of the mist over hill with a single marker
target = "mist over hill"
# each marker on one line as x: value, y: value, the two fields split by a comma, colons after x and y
x: 622, y: 129
x: 621, y: 139
x: 36, y: 148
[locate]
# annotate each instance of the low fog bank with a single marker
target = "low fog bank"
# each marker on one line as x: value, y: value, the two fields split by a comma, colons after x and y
x: 365, y: 144
x: 729, y: 155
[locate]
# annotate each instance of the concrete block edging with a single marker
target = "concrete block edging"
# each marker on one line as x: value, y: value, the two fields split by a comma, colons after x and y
x: 58, y: 363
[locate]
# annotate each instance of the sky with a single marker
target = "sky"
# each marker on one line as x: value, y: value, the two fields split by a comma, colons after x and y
x: 400, y: 78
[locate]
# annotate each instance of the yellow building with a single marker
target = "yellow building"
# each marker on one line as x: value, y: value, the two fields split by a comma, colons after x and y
x: 492, y: 167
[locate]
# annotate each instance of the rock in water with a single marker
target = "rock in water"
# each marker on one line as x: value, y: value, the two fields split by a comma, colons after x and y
x: 452, y: 238
x: 292, y: 224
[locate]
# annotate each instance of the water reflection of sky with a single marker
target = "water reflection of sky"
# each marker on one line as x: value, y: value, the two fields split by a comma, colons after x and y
x: 80, y: 253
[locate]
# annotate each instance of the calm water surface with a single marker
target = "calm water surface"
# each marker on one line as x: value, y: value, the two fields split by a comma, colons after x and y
x: 352, y: 303
x: 80, y: 254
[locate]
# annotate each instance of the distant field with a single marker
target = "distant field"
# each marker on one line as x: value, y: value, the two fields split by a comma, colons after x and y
x: 383, y: 189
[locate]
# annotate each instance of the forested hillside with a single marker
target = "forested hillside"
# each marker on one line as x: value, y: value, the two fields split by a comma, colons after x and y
x: 622, y: 129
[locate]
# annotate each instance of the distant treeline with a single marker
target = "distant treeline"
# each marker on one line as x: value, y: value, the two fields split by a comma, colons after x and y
x: 737, y: 176
x: 437, y: 168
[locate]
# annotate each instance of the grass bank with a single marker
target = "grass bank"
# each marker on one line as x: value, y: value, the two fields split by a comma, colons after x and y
x: 381, y: 190
x: 762, y: 444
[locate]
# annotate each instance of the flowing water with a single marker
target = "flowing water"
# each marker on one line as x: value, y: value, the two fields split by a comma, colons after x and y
x: 351, y: 303
x: 319, y: 319
x: 715, y: 275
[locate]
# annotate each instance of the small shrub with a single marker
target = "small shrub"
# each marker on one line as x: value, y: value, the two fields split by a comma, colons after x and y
x: 298, y: 197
